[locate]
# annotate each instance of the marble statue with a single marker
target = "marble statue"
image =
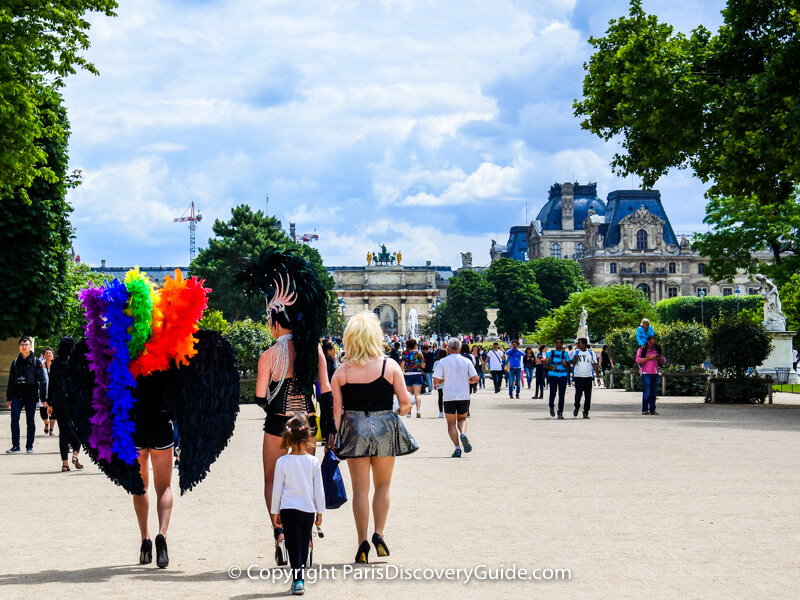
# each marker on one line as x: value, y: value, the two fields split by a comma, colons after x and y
x: 466, y: 260
x: 366, y: 279
x: 583, y: 328
x: 431, y: 279
x: 403, y: 279
x: 774, y: 319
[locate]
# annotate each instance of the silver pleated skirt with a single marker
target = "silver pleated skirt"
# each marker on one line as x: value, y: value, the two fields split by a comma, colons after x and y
x: 377, y: 433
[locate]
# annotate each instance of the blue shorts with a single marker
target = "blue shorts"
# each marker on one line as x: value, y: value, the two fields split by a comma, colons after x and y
x: 413, y: 379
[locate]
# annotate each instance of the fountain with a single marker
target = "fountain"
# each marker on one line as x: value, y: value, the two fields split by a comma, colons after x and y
x: 413, y: 324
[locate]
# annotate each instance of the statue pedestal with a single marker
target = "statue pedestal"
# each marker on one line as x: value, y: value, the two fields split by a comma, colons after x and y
x: 781, y: 355
x: 491, y: 314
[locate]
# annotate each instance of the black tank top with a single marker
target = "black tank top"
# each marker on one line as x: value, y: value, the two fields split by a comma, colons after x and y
x: 289, y: 399
x: 372, y: 396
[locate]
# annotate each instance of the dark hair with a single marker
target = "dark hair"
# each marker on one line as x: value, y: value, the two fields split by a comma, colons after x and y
x: 327, y: 345
x: 296, y: 433
x: 24, y: 339
x: 442, y: 354
x: 584, y: 340
x: 558, y: 339
x: 528, y: 349
x: 51, y: 350
x: 396, y: 345
x: 657, y: 347
x: 542, y: 347
x: 476, y: 347
x: 411, y: 344
x: 464, y: 348
x: 65, y: 347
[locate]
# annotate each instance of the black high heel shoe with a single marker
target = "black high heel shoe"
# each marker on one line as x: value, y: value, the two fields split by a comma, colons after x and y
x: 362, y: 555
x: 145, y: 552
x: 162, y: 558
x: 380, y: 546
x: 280, y: 547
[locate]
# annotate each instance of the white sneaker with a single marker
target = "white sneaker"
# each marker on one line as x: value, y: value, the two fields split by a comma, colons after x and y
x: 441, y: 415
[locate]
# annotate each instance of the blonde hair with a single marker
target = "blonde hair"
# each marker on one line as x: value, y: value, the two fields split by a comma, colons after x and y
x: 645, y: 321
x: 363, y: 338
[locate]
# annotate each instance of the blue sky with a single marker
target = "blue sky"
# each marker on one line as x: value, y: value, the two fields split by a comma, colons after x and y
x: 420, y: 124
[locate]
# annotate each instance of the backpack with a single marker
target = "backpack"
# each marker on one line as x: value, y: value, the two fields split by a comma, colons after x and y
x: 561, y: 367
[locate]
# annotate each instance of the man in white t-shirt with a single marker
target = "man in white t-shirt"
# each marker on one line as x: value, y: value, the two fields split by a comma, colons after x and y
x: 584, y: 366
x: 496, y: 366
x: 453, y: 374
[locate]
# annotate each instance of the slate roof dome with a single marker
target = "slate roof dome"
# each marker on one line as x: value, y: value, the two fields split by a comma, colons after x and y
x: 585, y: 197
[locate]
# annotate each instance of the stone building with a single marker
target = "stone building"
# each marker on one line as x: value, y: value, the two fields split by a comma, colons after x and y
x: 627, y: 238
x: 391, y: 291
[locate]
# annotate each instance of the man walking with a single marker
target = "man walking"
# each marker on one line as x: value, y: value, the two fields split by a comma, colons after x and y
x: 26, y: 385
x: 427, y: 371
x: 585, y: 365
x: 496, y: 366
x: 453, y: 374
x: 556, y: 362
x: 515, y: 356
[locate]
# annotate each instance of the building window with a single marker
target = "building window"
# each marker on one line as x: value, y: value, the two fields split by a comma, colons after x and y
x: 702, y: 289
x: 579, y: 249
x: 672, y: 292
x: 612, y: 267
x: 701, y: 269
x: 642, y: 267
x: 555, y: 250
x: 641, y: 240
x: 752, y: 291
x: 672, y: 267
x: 727, y: 292
x: 645, y: 289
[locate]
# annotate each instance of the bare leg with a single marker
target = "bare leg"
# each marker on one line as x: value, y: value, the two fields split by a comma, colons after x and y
x: 162, y: 481
x: 359, y: 476
x: 271, y: 451
x: 462, y: 423
x: 418, y: 396
x: 381, y: 478
x: 141, y: 504
x: 451, y: 429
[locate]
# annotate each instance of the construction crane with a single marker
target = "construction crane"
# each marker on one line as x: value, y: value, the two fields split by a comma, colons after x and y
x: 193, y: 218
x: 306, y: 238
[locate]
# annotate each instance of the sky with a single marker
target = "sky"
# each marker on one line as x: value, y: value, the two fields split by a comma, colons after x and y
x: 423, y: 125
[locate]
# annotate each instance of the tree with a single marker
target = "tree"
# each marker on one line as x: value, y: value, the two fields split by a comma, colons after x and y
x: 41, y: 45
x: 35, y: 238
x: 517, y: 295
x: 724, y: 105
x: 738, y: 343
x: 790, y: 299
x: 558, y: 278
x: 247, y: 233
x: 741, y: 226
x: 611, y: 307
x: 689, y: 309
x: 468, y: 296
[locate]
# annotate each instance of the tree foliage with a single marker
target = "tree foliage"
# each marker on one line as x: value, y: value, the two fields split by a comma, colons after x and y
x: 608, y: 308
x: 622, y: 346
x: 35, y: 238
x: 41, y: 44
x: 247, y: 233
x: 558, y: 278
x: 737, y: 343
x: 249, y: 339
x: 468, y: 296
x: 724, y: 105
x: 684, y: 344
x: 517, y: 295
x: 790, y: 299
x: 692, y: 309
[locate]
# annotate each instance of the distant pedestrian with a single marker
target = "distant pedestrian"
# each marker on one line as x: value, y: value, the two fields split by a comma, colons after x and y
x: 57, y: 398
x: 496, y: 366
x: 47, y: 418
x: 514, y: 356
x: 644, y: 331
x: 529, y: 365
x: 455, y: 373
x: 606, y: 363
x: 413, y: 363
x: 473, y: 387
x: 480, y: 364
x: 440, y: 354
x: 394, y: 353
x: 26, y: 387
x: 429, y: 354
x: 649, y: 357
x: 556, y: 363
x: 585, y: 366
x: 569, y: 366
x: 541, y: 373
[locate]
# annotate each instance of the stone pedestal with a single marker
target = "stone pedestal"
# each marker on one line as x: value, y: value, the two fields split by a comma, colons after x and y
x: 491, y: 314
x: 781, y: 355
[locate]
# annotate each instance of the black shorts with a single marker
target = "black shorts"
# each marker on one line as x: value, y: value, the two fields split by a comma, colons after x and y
x: 156, y: 434
x: 276, y: 424
x: 456, y: 407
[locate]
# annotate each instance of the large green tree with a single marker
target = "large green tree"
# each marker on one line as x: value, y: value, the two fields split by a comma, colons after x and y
x: 468, y: 296
x: 790, y: 299
x: 517, y: 295
x: 558, y: 278
x: 40, y: 44
x: 35, y: 237
x: 608, y: 308
x: 726, y: 105
x: 247, y: 233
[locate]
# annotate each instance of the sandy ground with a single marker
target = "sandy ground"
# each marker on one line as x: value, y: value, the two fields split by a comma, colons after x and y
x: 699, y: 502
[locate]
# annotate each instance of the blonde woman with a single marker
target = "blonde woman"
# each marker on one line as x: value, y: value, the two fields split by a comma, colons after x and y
x: 370, y: 433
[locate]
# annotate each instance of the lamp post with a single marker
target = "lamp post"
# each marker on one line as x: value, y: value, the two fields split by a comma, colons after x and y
x: 342, y: 306
x: 702, y: 294
x: 737, y: 291
x: 435, y: 309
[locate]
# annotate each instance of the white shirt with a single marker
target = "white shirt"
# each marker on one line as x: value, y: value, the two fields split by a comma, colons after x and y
x: 298, y: 484
x: 584, y: 359
x: 495, y: 360
x: 456, y: 371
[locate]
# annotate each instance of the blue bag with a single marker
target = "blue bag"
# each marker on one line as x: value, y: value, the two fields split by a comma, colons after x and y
x: 335, y: 494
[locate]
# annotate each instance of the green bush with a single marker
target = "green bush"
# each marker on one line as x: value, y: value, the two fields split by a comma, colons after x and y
x: 688, y: 309
x: 249, y: 340
x: 684, y: 344
x: 213, y: 319
x: 247, y: 391
x: 737, y: 343
x: 685, y: 385
x: 745, y: 390
x: 622, y: 346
